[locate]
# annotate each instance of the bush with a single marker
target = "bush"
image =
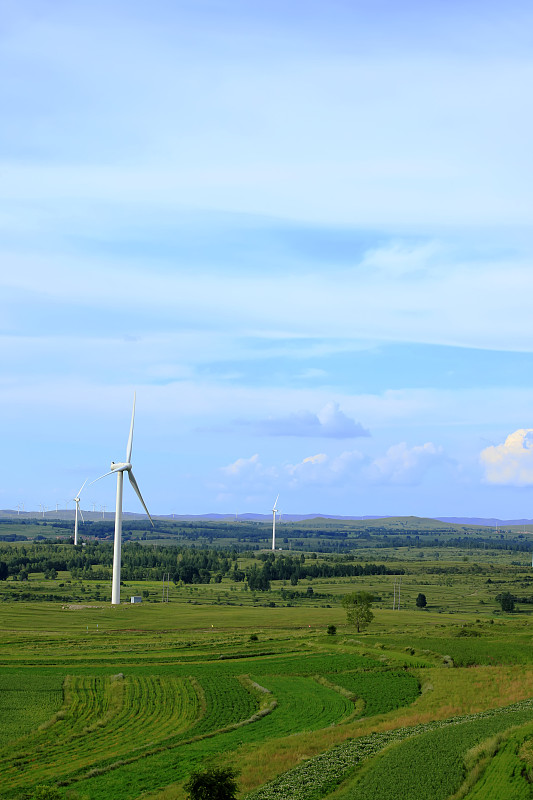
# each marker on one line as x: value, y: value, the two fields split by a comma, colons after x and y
x: 46, y: 793
x: 213, y: 784
x: 332, y: 630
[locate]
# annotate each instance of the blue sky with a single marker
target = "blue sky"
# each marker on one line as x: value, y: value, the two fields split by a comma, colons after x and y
x: 302, y: 232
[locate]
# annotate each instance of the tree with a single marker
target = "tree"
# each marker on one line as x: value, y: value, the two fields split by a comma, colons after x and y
x: 357, y: 607
x: 421, y: 601
x: 213, y: 784
x: 4, y: 571
x: 332, y: 630
x: 506, y: 601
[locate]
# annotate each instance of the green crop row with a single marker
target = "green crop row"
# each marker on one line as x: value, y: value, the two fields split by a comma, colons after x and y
x: 506, y: 777
x: 302, y: 704
x: 107, y: 720
x: 26, y: 701
x: 102, y: 718
x: 381, y: 690
x: 422, y: 761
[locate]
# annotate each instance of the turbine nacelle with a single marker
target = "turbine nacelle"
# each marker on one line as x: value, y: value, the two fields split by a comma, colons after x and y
x: 121, y: 466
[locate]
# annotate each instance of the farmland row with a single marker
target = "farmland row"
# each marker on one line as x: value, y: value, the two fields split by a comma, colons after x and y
x: 507, y: 773
x: 26, y: 702
x: 302, y: 705
x: 434, y: 752
x: 101, y: 716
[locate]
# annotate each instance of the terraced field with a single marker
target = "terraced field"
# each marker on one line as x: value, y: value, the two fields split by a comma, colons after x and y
x: 129, y: 713
x: 122, y: 735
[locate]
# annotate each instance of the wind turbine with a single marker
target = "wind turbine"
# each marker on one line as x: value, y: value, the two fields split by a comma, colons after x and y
x: 120, y: 468
x: 274, y: 512
x: 78, y: 510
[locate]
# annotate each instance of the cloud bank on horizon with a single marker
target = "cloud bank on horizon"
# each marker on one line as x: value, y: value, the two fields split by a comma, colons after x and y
x: 293, y: 229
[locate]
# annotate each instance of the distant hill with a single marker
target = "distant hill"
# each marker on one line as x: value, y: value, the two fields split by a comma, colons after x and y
x: 412, y: 521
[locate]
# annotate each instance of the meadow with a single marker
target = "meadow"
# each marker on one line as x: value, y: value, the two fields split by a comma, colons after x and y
x: 125, y: 702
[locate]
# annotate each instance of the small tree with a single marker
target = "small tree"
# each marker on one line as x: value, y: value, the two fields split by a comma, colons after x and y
x: 357, y: 606
x: 213, y: 784
x: 332, y: 630
x: 507, y: 602
x: 421, y: 601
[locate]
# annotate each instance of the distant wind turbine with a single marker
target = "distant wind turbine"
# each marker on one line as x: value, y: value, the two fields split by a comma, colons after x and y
x: 120, y: 468
x: 274, y: 512
x: 78, y: 511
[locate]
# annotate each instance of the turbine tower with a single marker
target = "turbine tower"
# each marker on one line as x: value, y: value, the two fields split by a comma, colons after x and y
x: 120, y: 468
x: 274, y: 512
x: 78, y: 511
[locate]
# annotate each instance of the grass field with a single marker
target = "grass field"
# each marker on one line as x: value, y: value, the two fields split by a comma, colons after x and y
x: 125, y: 702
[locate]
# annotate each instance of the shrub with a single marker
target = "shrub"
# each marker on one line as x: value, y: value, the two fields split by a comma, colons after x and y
x: 46, y: 793
x: 213, y: 784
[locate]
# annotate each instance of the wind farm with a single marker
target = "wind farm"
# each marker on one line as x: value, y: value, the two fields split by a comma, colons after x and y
x: 298, y: 237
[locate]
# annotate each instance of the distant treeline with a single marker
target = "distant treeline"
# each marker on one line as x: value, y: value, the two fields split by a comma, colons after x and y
x: 188, y: 565
x: 249, y: 536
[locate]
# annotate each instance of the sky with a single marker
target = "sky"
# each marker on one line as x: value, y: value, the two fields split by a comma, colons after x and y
x: 301, y: 232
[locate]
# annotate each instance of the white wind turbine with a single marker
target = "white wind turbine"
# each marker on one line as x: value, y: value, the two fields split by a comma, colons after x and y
x: 78, y: 511
x: 120, y: 468
x: 274, y: 512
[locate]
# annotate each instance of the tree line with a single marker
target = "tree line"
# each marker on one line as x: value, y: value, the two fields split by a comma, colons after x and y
x: 184, y: 564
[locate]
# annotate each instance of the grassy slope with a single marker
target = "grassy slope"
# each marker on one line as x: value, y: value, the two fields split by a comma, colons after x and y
x: 181, y: 639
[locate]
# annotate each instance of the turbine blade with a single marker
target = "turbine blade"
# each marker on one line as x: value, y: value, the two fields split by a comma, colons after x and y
x: 83, y: 484
x: 275, y: 504
x: 81, y: 515
x: 102, y: 476
x: 139, y: 495
x: 130, y: 439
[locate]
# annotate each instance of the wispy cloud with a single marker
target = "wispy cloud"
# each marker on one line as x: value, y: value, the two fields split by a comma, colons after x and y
x: 330, y: 423
x: 405, y: 466
x: 256, y: 273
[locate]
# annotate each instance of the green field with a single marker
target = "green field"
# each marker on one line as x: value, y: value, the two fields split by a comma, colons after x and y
x: 125, y: 702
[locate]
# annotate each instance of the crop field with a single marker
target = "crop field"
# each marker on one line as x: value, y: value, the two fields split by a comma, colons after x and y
x: 125, y: 702
x: 26, y: 702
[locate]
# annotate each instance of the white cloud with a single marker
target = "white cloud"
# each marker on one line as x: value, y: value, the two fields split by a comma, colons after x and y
x: 243, y: 467
x: 330, y: 422
x: 510, y: 463
x: 248, y: 473
x: 405, y: 465
x: 324, y: 470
